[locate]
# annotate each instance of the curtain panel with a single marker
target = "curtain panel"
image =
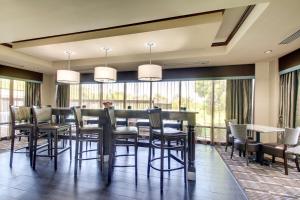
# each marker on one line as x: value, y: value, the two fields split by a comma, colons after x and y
x: 288, y: 98
x: 239, y: 100
x: 63, y: 95
x: 32, y: 94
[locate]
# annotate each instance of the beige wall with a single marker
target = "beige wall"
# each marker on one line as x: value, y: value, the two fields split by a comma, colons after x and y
x: 266, y: 100
x: 48, y: 90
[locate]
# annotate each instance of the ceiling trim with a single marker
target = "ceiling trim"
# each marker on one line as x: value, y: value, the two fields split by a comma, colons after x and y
x: 244, y: 16
x: 145, y: 26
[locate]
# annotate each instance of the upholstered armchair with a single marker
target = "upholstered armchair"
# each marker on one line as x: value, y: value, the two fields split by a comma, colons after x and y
x: 290, y: 140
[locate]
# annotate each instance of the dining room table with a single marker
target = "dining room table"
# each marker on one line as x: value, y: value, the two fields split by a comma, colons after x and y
x: 190, y: 117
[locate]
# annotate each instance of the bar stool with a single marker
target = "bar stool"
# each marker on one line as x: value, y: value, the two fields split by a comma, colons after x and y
x: 88, y: 134
x: 159, y: 136
x: 121, y: 133
x: 21, y: 122
x: 42, y: 118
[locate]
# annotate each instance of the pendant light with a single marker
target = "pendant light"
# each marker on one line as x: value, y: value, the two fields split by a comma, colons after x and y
x: 68, y: 76
x: 104, y: 73
x: 150, y: 72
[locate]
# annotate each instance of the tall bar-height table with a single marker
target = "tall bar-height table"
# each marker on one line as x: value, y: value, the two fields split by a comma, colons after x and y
x: 189, y: 117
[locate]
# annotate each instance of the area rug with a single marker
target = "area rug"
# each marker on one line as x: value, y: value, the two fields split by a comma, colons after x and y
x: 261, y: 181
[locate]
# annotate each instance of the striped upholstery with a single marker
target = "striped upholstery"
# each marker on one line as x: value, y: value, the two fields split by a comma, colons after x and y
x: 43, y: 114
x: 155, y: 118
x: 21, y: 113
x: 239, y: 131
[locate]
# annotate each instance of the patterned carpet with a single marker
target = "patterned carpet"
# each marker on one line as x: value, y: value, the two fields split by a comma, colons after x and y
x: 263, y: 182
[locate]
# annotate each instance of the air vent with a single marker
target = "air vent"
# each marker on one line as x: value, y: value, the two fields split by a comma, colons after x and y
x: 291, y: 38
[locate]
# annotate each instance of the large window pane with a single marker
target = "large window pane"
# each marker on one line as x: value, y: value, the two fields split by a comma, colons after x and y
x: 138, y: 95
x: 90, y: 95
x: 166, y: 95
x: 19, y: 93
x: 114, y: 92
x: 4, y: 100
x: 74, y: 95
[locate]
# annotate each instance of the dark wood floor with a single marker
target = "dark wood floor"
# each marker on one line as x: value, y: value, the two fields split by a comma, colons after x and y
x: 214, y: 181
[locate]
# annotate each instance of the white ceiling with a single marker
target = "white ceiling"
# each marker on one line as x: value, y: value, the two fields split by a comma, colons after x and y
x: 269, y: 23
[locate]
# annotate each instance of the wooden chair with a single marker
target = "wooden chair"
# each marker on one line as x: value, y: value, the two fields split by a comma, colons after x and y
x: 241, y: 140
x: 290, y: 140
x: 42, y: 118
x: 88, y: 134
x: 228, y: 132
x: 21, y: 126
x: 126, y: 133
x: 163, y: 139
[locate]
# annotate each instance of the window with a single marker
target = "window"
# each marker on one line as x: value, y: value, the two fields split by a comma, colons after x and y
x: 90, y: 95
x: 138, y: 95
x: 114, y: 92
x: 4, y: 100
x: 74, y: 95
x: 166, y: 95
x: 19, y: 93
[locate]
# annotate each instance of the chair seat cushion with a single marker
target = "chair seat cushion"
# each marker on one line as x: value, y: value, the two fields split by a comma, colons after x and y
x: 125, y: 130
x: 90, y: 129
x: 21, y: 126
x: 53, y: 126
x: 169, y: 132
x: 293, y: 150
x: 142, y: 122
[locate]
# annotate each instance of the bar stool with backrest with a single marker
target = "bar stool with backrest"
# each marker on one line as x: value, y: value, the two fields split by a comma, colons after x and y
x: 88, y: 134
x: 290, y: 140
x: 228, y: 132
x: 42, y: 118
x: 120, y: 133
x: 163, y: 139
x: 21, y: 126
x: 241, y: 140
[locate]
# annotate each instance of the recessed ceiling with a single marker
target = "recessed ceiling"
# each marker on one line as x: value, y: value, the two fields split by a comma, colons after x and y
x: 265, y: 27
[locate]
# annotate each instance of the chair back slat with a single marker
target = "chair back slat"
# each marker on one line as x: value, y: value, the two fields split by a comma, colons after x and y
x: 291, y: 136
x: 42, y: 115
x: 239, y: 131
x: 155, y: 118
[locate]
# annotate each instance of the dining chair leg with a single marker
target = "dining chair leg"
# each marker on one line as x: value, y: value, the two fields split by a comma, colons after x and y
x: 76, y: 154
x: 35, y: 149
x: 70, y: 142
x: 169, y: 158
x: 226, y: 146
x: 285, y: 164
x: 135, y: 160
x: 55, y: 149
x: 232, y: 149
x: 101, y: 152
x: 297, y: 163
x: 273, y: 159
x: 31, y: 146
x: 12, y: 148
x: 184, y: 163
x: 162, y: 165
x: 80, y: 152
x: 149, y: 156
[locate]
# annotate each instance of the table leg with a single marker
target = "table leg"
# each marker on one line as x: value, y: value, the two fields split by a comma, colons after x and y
x: 258, y: 154
x: 191, y: 154
x: 107, y: 153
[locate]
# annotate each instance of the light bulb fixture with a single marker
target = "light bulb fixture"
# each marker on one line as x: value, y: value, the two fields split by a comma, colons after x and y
x: 150, y: 72
x: 68, y: 76
x: 104, y: 73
